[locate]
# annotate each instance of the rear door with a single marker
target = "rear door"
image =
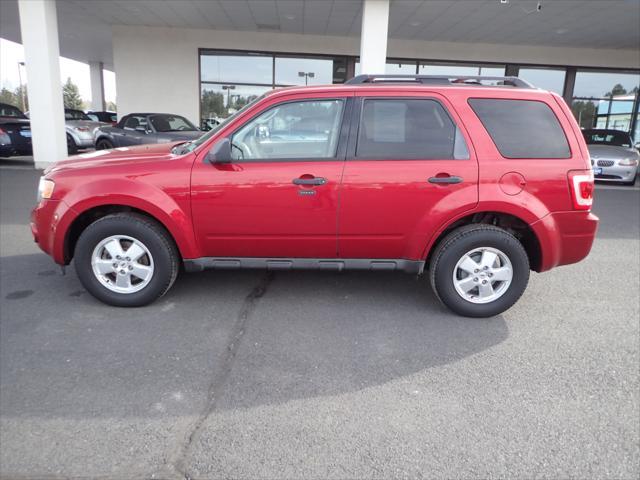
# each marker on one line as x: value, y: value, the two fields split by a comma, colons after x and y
x: 410, y: 168
x: 279, y: 196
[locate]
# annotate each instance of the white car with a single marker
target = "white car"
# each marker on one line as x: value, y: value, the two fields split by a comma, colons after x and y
x: 613, y: 156
x: 80, y: 129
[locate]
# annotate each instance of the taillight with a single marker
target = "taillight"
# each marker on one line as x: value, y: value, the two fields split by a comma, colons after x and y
x: 2, y: 132
x: 581, y: 186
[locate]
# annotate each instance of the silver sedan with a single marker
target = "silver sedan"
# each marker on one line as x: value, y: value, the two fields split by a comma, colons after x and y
x: 613, y: 156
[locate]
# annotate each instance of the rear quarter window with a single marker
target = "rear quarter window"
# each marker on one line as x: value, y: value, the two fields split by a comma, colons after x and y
x: 522, y: 128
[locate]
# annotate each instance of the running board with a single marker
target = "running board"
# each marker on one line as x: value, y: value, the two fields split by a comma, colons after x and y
x: 231, y: 263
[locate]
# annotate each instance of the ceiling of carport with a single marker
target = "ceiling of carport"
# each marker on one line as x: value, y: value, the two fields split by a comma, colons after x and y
x: 85, y: 26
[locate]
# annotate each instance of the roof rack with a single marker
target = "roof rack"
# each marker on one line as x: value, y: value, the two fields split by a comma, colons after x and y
x: 439, y: 80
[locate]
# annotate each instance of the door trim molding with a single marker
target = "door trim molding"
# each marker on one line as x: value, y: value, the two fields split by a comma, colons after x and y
x: 331, y: 264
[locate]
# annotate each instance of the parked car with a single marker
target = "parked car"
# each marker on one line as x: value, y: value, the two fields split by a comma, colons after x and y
x: 143, y: 128
x: 375, y: 174
x: 80, y: 129
x: 15, y: 132
x: 104, y: 117
x: 209, y: 123
x: 613, y: 156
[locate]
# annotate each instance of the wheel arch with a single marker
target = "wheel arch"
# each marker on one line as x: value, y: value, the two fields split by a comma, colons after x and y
x: 513, y: 224
x: 177, y: 225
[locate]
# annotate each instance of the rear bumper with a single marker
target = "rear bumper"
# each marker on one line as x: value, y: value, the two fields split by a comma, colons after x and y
x: 565, y: 237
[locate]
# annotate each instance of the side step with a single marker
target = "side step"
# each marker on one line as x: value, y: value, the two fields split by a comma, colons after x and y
x: 230, y: 263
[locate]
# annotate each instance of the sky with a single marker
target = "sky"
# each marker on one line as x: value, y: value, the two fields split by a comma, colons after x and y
x: 11, y: 53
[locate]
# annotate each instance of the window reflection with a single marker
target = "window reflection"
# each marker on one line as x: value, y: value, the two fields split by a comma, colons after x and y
x: 605, y: 99
x: 316, y: 71
x: 546, y: 78
x: 452, y: 69
x: 217, y: 102
x: 236, y: 68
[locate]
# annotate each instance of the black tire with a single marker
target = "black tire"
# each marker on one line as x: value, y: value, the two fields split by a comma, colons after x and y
x: 104, y: 144
x: 166, y: 259
x: 462, y: 240
x: 72, y: 148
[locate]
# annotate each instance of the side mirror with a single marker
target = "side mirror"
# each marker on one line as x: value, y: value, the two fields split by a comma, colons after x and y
x: 220, y: 153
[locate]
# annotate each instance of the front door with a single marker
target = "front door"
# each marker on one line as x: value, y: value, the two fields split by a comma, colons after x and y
x: 408, y: 170
x: 279, y: 196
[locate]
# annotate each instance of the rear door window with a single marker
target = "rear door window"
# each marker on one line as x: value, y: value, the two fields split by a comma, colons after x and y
x: 522, y: 128
x: 408, y: 129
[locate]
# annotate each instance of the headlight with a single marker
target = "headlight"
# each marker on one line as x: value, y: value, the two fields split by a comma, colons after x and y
x: 628, y: 162
x: 81, y: 129
x: 45, y: 188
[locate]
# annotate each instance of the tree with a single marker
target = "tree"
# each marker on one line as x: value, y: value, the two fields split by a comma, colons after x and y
x: 8, y: 97
x: 71, y: 95
x: 21, y: 93
x: 111, y: 107
x: 616, y: 90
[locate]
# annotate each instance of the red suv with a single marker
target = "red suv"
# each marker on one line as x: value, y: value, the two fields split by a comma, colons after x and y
x: 476, y: 183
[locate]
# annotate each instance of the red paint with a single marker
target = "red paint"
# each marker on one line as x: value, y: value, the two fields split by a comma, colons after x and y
x: 366, y: 209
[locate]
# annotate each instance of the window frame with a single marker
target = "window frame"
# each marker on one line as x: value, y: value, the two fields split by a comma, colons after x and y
x: 356, y: 122
x: 551, y: 109
x: 343, y: 131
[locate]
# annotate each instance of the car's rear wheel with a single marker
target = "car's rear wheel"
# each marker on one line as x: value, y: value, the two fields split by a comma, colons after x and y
x: 104, y: 144
x: 72, y: 148
x: 479, y: 270
x: 126, y: 260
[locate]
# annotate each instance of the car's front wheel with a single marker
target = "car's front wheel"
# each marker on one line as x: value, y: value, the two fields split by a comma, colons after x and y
x: 479, y: 270
x: 104, y: 144
x: 126, y: 260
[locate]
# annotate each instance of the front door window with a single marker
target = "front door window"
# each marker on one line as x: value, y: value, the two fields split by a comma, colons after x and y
x: 293, y: 130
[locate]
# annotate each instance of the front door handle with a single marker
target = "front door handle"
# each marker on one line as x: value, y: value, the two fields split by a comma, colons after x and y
x: 445, y: 180
x: 309, y: 181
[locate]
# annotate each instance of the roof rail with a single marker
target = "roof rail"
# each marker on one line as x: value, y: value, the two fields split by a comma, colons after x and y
x: 439, y: 80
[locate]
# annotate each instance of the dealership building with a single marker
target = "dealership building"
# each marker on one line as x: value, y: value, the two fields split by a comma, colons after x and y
x: 206, y: 58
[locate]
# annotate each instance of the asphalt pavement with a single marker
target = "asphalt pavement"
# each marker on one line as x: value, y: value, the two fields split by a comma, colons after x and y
x: 314, y: 375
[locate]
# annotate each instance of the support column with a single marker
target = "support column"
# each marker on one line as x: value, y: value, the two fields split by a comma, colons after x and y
x: 39, y: 29
x: 97, y: 87
x: 373, y: 38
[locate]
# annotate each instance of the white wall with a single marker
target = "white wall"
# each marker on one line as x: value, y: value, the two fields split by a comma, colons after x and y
x: 157, y: 67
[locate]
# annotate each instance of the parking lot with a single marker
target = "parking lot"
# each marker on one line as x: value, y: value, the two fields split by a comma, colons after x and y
x: 319, y: 375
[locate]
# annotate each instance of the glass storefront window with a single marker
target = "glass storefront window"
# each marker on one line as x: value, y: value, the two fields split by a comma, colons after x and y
x: 288, y: 71
x: 551, y: 79
x: 218, y: 102
x: 603, y: 84
x: 236, y: 68
x: 605, y: 99
x: 448, y: 69
x: 393, y: 67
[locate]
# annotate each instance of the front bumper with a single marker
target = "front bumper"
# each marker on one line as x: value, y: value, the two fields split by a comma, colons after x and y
x: 50, y: 220
x: 82, y: 139
x: 616, y: 173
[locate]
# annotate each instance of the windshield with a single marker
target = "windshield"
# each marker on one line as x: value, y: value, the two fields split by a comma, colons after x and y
x: 614, y: 138
x: 10, y: 111
x: 75, y: 115
x: 171, y: 123
x: 191, y: 146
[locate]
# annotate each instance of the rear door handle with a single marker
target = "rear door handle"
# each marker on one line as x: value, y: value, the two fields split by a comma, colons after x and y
x: 445, y: 180
x: 310, y: 181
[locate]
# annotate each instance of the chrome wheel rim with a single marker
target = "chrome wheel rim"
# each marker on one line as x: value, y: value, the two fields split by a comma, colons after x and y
x: 483, y: 275
x: 122, y: 264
